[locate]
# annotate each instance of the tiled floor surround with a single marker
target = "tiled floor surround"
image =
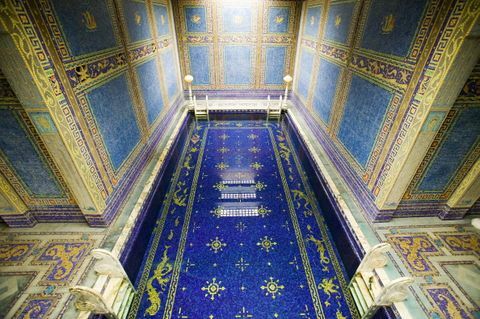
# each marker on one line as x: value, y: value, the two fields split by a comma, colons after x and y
x: 37, y: 265
x: 444, y: 260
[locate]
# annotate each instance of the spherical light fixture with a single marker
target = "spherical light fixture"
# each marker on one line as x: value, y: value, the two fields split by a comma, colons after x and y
x: 288, y: 78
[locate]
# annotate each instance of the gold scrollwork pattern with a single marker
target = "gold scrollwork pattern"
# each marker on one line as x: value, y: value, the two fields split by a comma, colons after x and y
x: 159, y: 275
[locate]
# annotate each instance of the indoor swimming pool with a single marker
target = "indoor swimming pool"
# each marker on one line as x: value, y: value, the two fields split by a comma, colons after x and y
x: 239, y: 233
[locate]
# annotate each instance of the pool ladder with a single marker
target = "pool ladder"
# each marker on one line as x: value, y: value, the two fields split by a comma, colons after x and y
x: 367, y: 291
x: 201, y: 113
x: 274, y: 111
x: 112, y: 293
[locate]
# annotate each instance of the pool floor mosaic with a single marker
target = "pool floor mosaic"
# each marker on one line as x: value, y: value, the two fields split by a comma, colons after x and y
x: 239, y: 234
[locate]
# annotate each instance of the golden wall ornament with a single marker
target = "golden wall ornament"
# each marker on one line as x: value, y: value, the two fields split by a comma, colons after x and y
x: 338, y: 20
x: 196, y: 19
x: 388, y: 24
x: 238, y: 20
x: 138, y: 18
x: 89, y: 20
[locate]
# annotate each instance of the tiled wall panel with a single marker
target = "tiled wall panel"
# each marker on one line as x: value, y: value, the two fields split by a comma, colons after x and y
x: 236, y: 45
x: 114, y: 72
x: 359, y: 62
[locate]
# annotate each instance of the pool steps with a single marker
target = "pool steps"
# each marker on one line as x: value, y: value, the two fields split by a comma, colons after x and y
x: 274, y: 111
x: 201, y: 113
x: 201, y: 110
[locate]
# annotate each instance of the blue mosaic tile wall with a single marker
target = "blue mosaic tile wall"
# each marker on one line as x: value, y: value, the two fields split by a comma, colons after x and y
x: 325, y: 87
x: 305, y: 72
x: 148, y: 75
x: 462, y: 137
x: 86, y: 25
x: 171, y: 76
x: 275, y: 60
x: 455, y: 148
x: 337, y: 27
x: 312, y: 21
x: 120, y: 134
x: 353, y: 69
x: 126, y: 102
x: 238, y: 64
x: 276, y: 18
x: 354, y: 66
x: 236, y: 19
x: 116, y: 76
x: 403, y: 16
x: 27, y: 162
x: 196, y: 19
x: 136, y: 17
x: 363, y: 114
x: 161, y: 14
x: 201, y: 68
x: 237, y: 45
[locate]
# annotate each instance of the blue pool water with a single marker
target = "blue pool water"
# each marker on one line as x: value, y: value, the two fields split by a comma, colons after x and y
x: 239, y: 233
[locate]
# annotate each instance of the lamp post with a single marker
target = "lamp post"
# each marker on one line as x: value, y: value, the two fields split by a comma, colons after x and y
x: 287, y: 80
x: 188, y: 78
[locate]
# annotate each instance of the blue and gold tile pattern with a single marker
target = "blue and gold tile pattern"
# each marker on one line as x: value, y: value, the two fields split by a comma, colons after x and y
x: 263, y: 251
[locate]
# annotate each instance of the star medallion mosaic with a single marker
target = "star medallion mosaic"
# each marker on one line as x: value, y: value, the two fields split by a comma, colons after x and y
x: 213, y: 289
x: 216, y: 245
x: 266, y: 243
x: 272, y: 288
